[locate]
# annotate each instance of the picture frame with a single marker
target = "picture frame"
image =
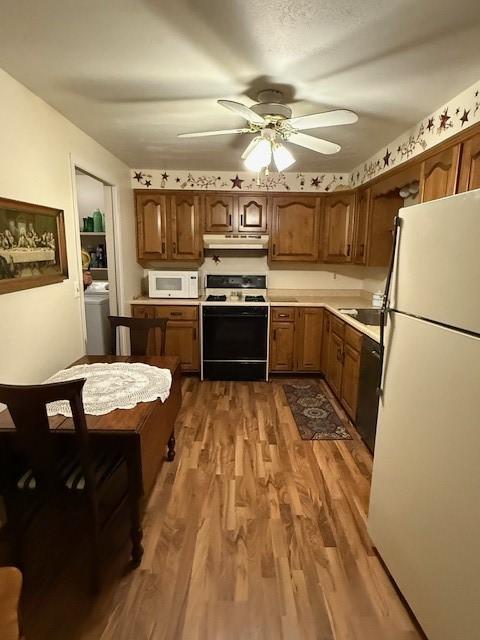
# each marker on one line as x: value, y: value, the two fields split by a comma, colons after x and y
x: 33, y: 251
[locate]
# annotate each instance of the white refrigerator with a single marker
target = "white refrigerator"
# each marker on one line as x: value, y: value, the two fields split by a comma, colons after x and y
x: 424, y: 515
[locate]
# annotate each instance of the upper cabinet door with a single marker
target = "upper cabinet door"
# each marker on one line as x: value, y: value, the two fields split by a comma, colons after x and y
x: 151, y: 227
x: 469, y: 177
x: 361, y: 226
x: 438, y: 174
x: 185, y: 227
x: 219, y: 212
x: 252, y: 214
x: 338, y: 228
x: 294, y: 228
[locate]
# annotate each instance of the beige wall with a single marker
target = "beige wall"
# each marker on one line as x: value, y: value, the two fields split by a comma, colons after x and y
x: 40, y: 329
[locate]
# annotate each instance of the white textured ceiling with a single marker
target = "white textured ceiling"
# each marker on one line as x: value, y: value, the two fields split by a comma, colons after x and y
x: 134, y: 73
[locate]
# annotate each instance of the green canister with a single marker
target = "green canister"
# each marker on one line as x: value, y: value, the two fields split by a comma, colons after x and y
x: 97, y: 221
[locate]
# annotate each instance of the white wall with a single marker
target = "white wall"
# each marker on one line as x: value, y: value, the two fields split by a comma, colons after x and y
x: 41, y: 328
x: 90, y: 196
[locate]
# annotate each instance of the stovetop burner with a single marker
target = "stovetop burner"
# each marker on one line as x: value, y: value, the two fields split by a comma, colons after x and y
x: 254, y: 298
x: 212, y: 298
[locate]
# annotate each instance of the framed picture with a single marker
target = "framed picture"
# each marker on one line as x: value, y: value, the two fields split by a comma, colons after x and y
x: 32, y: 246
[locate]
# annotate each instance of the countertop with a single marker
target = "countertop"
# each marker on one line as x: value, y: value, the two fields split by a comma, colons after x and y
x: 329, y: 300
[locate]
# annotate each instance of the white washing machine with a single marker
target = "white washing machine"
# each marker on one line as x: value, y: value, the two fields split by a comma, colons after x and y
x: 97, y: 310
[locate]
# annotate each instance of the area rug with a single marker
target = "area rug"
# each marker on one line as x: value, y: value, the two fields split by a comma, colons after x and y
x: 314, y: 414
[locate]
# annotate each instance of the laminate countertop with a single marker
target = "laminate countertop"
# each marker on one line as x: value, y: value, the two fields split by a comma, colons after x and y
x: 331, y: 302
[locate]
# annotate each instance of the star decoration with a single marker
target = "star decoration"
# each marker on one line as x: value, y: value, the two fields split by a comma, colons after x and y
x: 216, y: 259
x: 137, y: 175
x: 164, y: 176
x: 430, y: 124
x: 316, y: 182
x: 177, y: 179
x: 399, y: 148
x: 464, y: 118
x: 476, y: 94
x: 148, y: 183
x: 457, y: 111
x: 386, y: 158
x: 444, y: 118
x: 236, y: 182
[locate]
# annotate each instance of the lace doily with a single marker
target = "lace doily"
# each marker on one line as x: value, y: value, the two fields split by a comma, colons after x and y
x: 120, y: 385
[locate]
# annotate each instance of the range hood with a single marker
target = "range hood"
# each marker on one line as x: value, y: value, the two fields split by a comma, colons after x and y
x: 236, y: 241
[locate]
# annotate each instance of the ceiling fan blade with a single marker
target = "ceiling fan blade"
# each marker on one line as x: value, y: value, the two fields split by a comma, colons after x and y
x: 315, y: 144
x: 253, y: 143
x: 326, y: 119
x: 242, y: 110
x: 202, y: 134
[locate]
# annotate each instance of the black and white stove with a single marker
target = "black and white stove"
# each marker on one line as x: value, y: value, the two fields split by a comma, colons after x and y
x: 235, y: 328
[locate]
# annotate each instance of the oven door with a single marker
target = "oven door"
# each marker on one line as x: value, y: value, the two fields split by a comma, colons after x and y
x: 235, y: 342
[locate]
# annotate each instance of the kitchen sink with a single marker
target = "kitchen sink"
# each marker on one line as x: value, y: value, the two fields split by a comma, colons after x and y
x: 365, y: 316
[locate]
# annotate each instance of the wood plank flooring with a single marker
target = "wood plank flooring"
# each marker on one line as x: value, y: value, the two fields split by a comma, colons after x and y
x: 251, y: 534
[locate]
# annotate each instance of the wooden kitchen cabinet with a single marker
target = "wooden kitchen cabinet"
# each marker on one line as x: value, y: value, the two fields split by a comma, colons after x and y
x: 185, y: 234
x: 384, y: 208
x: 469, y: 176
x: 296, y: 338
x: 308, y: 347
x: 282, y: 345
x: 361, y: 226
x: 438, y: 174
x: 251, y: 214
x: 338, y: 227
x: 325, y: 342
x: 168, y: 227
x: 335, y: 366
x: 182, y: 338
x: 294, y: 228
x: 219, y: 213
x: 351, y: 370
x: 151, y: 214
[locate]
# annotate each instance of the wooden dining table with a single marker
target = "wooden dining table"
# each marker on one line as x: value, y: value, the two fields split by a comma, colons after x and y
x: 144, y: 434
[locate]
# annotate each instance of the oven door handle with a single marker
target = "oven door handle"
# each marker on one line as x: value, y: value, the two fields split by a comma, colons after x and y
x: 234, y: 315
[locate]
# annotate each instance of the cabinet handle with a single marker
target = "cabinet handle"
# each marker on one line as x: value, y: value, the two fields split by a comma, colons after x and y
x: 283, y: 315
x: 174, y: 247
x: 349, y: 247
x: 230, y: 219
x: 375, y: 353
x: 175, y: 313
x: 194, y: 333
x: 274, y: 248
x: 163, y: 247
x: 362, y: 250
x: 274, y: 335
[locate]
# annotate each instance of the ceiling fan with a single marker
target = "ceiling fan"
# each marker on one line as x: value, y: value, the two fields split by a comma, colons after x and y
x: 273, y: 124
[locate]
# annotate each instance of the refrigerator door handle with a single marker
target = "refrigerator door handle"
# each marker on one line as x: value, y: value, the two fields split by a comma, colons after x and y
x: 386, y: 300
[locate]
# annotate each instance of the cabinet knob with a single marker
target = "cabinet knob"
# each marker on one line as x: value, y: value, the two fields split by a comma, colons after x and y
x: 163, y: 247
x: 174, y: 247
x: 349, y: 248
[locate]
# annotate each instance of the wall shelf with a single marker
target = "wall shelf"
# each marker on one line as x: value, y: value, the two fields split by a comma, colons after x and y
x: 92, y: 233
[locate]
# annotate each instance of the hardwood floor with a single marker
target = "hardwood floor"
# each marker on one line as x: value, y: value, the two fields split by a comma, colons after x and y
x: 251, y: 533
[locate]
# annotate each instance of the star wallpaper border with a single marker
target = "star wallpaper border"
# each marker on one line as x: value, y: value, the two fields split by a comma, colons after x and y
x: 459, y: 113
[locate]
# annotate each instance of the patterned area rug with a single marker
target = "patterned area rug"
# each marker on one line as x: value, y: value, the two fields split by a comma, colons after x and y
x: 313, y: 412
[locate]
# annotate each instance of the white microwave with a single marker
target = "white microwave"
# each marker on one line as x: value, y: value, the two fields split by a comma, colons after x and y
x: 173, y: 284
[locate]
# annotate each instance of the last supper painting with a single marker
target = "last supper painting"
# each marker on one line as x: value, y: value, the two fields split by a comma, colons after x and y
x: 32, y: 246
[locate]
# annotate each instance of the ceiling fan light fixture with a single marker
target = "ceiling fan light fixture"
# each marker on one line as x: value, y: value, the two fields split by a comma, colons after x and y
x: 283, y: 157
x: 259, y: 156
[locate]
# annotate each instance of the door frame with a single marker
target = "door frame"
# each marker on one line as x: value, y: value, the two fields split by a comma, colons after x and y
x: 112, y: 211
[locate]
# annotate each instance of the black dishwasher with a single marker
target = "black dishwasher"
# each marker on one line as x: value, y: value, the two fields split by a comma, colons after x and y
x: 367, y: 408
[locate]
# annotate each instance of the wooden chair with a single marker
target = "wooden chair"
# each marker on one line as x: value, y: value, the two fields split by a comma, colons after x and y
x: 140, y: 333
x: 41, y: 470
x: 10, y: 589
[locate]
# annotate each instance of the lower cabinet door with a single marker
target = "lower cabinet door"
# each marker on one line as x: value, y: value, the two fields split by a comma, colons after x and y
x: 335, y: 366
x: 325, y: 341
x: 350, y: 377
x: 282, y: 342
x: 309, y: 323
x: 182, y: 341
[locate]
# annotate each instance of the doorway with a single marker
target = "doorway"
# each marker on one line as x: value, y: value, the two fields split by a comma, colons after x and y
x: 96, y: 243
